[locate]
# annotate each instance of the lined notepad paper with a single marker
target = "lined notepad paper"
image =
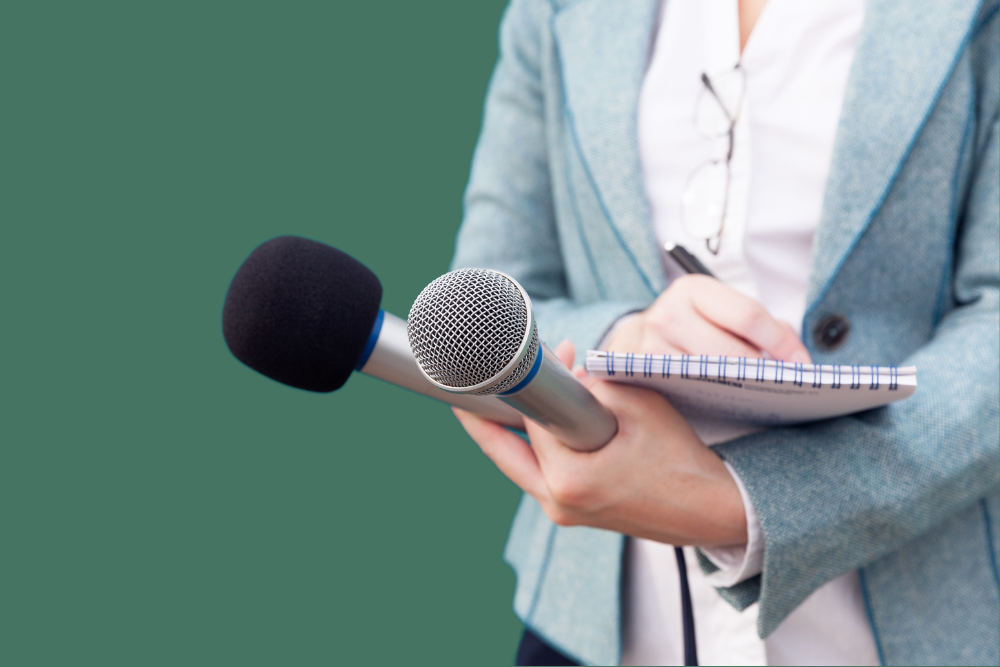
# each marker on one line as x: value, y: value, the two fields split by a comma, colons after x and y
x: 757, y: 391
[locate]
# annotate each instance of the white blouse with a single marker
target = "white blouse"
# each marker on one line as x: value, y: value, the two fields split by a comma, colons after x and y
x: 795, y: 67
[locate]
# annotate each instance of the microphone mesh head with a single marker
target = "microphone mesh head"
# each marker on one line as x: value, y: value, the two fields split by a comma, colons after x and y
x: 467, y: 326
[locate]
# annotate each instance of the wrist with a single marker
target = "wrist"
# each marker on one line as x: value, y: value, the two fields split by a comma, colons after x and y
x: 702, y: 508
x: 723, y: 505
x: 738, y: 563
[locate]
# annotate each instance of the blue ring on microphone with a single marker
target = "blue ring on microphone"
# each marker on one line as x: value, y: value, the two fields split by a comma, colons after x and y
x: 372, y: 339
x: 527, y: 378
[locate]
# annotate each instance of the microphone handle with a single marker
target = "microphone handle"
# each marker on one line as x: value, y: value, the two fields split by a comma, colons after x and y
x: 392, y: 360
x: 563, y: 406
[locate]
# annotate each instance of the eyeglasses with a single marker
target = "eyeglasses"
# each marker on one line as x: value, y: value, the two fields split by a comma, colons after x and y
x: 706, y: 196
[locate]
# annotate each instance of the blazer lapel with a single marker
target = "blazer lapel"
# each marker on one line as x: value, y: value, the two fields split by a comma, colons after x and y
x: 905, y: 53
x: 603, y: 48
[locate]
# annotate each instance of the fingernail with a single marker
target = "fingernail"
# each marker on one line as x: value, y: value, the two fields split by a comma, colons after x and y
x: 801, y: 358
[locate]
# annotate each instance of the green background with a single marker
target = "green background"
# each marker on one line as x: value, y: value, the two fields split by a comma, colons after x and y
x: 161, y: 503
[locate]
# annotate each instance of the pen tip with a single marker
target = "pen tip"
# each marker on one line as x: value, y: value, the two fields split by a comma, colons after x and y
x: 669, y: 245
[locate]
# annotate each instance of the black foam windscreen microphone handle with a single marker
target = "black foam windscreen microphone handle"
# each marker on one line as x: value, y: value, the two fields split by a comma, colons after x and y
x: 307, y: 315
x: 300, y: 312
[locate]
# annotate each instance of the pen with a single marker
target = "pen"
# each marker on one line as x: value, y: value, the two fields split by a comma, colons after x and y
x: 686, y: 260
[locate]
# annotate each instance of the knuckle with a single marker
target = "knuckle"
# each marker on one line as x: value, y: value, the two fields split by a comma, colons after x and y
x: 682, y: 285
x: 567, y: 492
x: 666, y: 321
x: 559, y: 515
x: 749, y: 316
x: 669, y: 319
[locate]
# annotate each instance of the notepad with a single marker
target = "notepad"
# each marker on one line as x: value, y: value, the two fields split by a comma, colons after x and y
x: 758, y: 392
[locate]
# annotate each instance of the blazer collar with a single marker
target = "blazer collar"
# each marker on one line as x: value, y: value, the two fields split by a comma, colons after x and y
x: 905, y: 54
x: 603, y: 48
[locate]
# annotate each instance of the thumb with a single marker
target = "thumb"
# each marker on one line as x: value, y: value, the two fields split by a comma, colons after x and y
x: 566, y: 353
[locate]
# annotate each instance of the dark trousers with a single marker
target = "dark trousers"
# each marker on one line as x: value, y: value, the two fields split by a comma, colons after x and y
x: 534, y: 651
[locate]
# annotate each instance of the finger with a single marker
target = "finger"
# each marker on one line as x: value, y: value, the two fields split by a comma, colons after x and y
x: 512, y: 455
x: 629, y: 403
x: 791, y: 332
x: 745, y: 318
x: 688, y: 332
x: 553, y: 456
x: 566, y: 353
x: 585, y: 378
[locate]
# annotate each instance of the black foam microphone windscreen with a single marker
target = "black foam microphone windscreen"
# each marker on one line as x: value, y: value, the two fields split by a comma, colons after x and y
x: 300, y: 312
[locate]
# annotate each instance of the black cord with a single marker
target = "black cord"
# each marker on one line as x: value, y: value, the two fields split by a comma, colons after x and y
x: 687, y: 612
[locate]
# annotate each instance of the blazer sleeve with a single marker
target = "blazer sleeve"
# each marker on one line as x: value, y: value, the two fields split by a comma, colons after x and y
x: 856, y: 488
x: 509, y: 219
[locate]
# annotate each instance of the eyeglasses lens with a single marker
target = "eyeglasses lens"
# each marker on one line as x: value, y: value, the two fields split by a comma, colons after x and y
x: 704, y: 198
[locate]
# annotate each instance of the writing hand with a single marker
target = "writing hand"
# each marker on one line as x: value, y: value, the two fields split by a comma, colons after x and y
x: 699, y: 315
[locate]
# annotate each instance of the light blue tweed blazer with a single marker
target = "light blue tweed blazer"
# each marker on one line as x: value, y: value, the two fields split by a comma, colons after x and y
x: 907, y: 251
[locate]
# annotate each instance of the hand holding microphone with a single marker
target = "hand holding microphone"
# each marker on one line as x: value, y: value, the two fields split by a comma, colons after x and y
x: 473, y: 331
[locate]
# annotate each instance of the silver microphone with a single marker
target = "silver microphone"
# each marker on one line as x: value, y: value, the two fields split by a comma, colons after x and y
x: 391, y: 360
x: 472, y: 331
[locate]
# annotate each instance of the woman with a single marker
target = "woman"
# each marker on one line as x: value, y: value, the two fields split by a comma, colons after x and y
x: 837, y: 168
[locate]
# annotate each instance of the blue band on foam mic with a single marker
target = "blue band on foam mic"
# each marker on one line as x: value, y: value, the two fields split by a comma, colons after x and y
x: 527, y: 378
x: 372, y: 339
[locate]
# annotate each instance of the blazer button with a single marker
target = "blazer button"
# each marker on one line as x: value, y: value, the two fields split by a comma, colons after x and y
x: 831, y: 332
